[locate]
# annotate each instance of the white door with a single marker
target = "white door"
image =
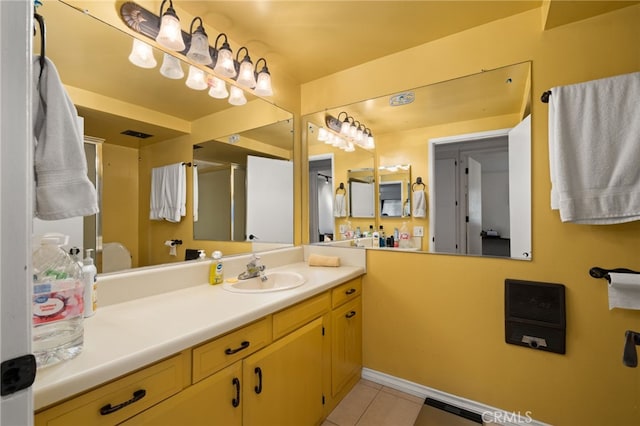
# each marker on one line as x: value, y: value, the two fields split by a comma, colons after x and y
x: 16, y: 180
x: 362, y: 199
x: 474, y: 207
x: 520, y: 189
x: 270, y: 200
x: 444, y: 238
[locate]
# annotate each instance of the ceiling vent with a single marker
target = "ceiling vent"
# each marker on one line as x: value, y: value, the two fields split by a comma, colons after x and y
x: 402, y: 98
x: 136, y: 134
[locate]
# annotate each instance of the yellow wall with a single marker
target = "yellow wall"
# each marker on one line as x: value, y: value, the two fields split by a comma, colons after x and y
x: 438, y: 320
x: 120, y: 197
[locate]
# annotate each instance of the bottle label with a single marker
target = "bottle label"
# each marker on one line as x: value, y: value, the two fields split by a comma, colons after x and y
x: 57, y: 300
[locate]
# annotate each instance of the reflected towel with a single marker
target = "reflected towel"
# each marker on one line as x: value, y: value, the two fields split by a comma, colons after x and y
x: 594, y: 148
x: 168, y: 192
x: 319, y: 260
x: 340, y: 206
x: 419, y: 204
x: 63, y: 189
x: 195, y: 193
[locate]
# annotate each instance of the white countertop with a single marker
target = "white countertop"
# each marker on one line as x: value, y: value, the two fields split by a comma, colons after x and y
x: 126, y: 336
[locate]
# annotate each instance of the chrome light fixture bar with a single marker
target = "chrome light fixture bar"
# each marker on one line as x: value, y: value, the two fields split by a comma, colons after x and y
x: 194, y: 46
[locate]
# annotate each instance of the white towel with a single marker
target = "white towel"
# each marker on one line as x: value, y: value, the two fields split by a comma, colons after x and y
x: 339, y: 206
x: 419, y: 204
x: 594, y: 150
x: 195, y: 193
x: 168, y: 192
x: 63, y: 189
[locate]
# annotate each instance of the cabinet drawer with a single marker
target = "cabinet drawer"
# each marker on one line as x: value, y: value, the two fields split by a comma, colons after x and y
x: 133, y: 393
x: 347, y: 291
x: 217, y: 354
x: 299, y: 314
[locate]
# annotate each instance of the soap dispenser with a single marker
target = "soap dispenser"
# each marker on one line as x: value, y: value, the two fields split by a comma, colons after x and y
x: 89, y: 278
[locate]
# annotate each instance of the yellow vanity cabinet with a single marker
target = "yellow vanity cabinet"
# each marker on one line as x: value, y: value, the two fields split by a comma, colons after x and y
x: 122, y: 398
x: 215, y: 400
x: 283, y: 382
x: 346, y: 340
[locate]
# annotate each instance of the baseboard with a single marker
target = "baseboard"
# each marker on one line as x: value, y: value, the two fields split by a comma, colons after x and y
x: 490, y: 415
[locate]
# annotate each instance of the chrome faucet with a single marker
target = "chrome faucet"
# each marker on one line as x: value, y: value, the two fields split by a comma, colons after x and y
x: 254, y: 269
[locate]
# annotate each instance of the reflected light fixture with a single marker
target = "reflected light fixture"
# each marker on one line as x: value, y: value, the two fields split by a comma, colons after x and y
x: 357, y: 133
x: 196, y: 79
x: 263, y: 80
x: 224, y: 58
x: 142, y: 54
x: 236, y: 96
x: 170, y: 34
x: 246, y: 77
x: 218, y: 88
x: 199, y: 49
x: 171, y: 67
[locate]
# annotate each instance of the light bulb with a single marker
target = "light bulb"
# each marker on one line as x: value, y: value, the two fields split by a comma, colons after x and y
x: 218, y: 89
x: 170, y: 34
x: 196, y: 79
x: 236, y: 96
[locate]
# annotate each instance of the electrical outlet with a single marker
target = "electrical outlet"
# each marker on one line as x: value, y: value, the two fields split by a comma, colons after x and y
x: 418, y: 231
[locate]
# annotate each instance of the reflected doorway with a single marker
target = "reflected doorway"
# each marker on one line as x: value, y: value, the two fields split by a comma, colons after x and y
x: 321, y: 222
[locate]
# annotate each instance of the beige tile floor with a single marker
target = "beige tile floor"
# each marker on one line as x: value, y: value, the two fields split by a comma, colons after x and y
x: 371, y: 404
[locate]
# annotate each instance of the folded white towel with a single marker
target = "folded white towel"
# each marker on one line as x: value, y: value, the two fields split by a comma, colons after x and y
x: 339, y: 206
x: 63, y: 189
x: 168, y: 192
x: 594, y: 150
x: 195, y: 193
x: 419, y: 204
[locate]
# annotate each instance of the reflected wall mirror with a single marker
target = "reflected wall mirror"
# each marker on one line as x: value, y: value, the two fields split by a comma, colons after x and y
x: 116, y: 96
x: 394, y: 190
x: 404, y: 123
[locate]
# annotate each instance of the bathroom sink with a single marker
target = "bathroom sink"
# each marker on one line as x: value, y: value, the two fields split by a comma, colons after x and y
x: 276, y: 281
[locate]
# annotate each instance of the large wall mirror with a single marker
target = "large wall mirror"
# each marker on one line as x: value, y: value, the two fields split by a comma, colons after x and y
x: 167, y: 120
x: 467, y: 142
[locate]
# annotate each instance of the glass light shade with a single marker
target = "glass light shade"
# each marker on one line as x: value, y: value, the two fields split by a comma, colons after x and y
x: 323, y: 135
x: 349, y: 147
x: 171, y: 67
x: 236, y: 96
x: 218, y: 89
x: 199, y: 49
x: 170, y: 34
x: 263, y: 84
x: 370, y: 142
x: 245, y: 75
x: 224, y: 64
x: 352, y: 131
x: 142, y: 54
x: 359, y: 135
x: 330, y: 139
x: 196, y: 79
x: 344, y: 129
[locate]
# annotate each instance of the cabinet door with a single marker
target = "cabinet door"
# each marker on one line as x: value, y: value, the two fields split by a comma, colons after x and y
x: 346, y: 348
x: 283, y: 382
x: 213, y: 401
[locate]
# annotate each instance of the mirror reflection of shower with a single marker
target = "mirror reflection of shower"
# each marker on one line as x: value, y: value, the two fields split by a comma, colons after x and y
x: 321, y: 193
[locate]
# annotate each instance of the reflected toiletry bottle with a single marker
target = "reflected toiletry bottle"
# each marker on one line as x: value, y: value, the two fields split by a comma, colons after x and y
x: 358, y: 232
x: 376, y: 239
x: 396, y: 237
x: 404, y: 236
x: 370, y: 234
x: 202, y: 254
x: 383, y: 238
x: 89, y: 278
x: 216, y: 273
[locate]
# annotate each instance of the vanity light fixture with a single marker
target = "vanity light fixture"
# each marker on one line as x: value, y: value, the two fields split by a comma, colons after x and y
x: 170, y: 34
x: 218, y: 88
x: 224, y: 58
x: 246, y: 77
x: 171, y: 67
x: 236, y: 96
x: 199, y: 49
x: 355, y: 134
x: 196, y: 79
x: 263, y: 80
x: 142, y: 54
x: 194, y: 48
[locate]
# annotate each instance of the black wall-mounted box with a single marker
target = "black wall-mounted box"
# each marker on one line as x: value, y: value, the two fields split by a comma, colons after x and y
x: 535, y: 315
